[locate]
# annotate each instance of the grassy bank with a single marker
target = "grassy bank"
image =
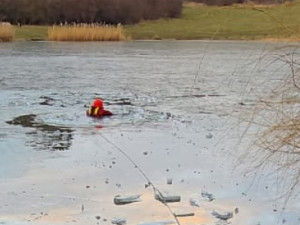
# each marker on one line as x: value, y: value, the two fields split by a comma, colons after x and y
x: 243, y: 22
x: 31, y: 32
x: 240, y: 22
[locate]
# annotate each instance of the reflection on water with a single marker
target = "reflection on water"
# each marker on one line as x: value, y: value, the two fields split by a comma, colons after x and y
x: 44, y: 136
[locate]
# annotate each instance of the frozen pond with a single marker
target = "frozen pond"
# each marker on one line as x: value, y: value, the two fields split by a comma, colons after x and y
x: 177, y: 124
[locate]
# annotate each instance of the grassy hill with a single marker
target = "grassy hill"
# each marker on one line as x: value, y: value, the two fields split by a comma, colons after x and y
x: 247, y: 22
x: 238, y: 22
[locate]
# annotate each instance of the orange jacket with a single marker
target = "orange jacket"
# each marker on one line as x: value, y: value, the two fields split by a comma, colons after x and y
x: 97, y: 112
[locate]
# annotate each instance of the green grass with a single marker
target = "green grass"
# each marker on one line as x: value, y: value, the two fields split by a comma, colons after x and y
x: 232, y: 22
x: 31, y: 32
x: 238, y: 22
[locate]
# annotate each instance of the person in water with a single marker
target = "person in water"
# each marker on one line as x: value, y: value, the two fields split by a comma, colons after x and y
x: 97, y: 109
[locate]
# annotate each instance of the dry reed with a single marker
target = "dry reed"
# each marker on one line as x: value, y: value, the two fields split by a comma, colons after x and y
x: 86, y: 33
x: 6, y: 32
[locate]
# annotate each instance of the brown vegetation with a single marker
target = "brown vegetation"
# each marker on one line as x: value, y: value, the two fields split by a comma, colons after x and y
x: 86, y: 33
x: 6, y: 32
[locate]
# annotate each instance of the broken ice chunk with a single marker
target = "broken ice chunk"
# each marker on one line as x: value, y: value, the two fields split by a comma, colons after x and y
x: 207, y: 196
x: 224, y: 216
x: 194, y: 202
x: 164, y: 198
x: 118, y: 221
x: 122, y: 200
x: 183, y: 214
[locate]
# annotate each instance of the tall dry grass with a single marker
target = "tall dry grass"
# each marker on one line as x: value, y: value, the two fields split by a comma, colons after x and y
x: 86, y: 33
x: 6, y: 32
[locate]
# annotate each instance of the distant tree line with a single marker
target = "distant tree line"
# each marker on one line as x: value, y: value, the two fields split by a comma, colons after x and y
x: 230, y: 2
x: 87, y: 11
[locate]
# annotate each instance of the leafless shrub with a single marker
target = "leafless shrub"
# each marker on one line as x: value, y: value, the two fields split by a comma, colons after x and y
x: 276, y: 118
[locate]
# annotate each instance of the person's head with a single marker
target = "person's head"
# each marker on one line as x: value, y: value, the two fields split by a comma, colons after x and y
x: 98, y: 103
